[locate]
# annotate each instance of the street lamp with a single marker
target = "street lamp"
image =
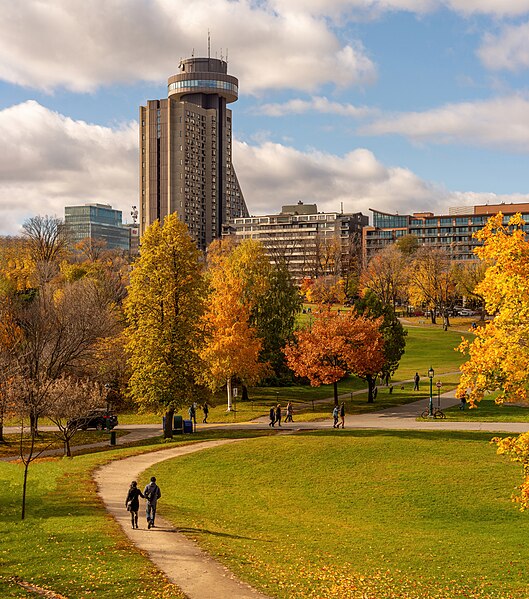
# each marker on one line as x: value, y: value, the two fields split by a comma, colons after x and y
x: 430, y: 405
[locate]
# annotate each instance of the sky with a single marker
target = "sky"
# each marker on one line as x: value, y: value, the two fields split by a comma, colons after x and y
x: 394, y: 105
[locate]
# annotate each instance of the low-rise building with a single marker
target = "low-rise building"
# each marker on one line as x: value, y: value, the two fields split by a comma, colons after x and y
x: 453, y: 231
x: 311, y: 243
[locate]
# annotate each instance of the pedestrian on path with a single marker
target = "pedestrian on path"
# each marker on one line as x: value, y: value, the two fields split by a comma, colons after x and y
x: 289, y: 412
x: 463, y: 403
x: 205, y: 409
x: 335, y: 414
x: 342, y: 415
x: 272, y: 416
x: 152, y: 493
x: 416, y: 380
x: 278, y: 414
x: 193, y: 414
x: 132, y: 503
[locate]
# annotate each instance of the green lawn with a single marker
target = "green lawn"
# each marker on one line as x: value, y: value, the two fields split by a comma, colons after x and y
x: 361, y: 514
x: 489, y: 411
x: 67, y: 543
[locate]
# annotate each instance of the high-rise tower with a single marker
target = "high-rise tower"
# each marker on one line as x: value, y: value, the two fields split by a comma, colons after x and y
x: 186, y: 151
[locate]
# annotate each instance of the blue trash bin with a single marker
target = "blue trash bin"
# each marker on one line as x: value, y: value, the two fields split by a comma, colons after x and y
x: 188, y: 426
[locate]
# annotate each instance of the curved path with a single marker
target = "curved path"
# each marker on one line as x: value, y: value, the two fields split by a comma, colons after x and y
x: 185, y: 564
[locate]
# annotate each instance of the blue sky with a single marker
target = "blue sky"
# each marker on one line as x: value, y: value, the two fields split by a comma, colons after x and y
x: 397, y: 105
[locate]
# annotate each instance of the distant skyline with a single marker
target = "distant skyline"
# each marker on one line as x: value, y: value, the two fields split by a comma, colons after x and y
x: 396, y: 105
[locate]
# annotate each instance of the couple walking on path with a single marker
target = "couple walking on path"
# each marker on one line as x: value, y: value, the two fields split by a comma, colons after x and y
x: 151, y: 493
x: 275, y: 414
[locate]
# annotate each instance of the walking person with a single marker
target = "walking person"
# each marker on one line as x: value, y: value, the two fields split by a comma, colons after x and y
x: 152, y: 493
x: 205, y: 409
x: 342, y: 415
x: 278, y: 414
x: 272, y: 416
x: 416, y: 380
x: 289, y: 412
x: 193, y: 415
x: 335, y: 414
x: 132, y: 503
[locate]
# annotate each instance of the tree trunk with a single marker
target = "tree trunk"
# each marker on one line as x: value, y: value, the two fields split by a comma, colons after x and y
x: 370, y: 388
x: 433, y: 316
x: 245, y: 396
x: 228, y: 390
x: 335, y: 385
x: 2, y: 440
x: 24, y: 486
x: 168, y: 424
x: 67, y: 447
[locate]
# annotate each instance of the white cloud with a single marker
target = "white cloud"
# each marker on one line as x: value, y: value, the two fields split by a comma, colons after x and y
x: 508, y: 50
x: 500, y: 123
x: 83, y: 45
x: 273, y: 175
x: 374, y: 8
x: 48, y: 161
x: 315, y: 104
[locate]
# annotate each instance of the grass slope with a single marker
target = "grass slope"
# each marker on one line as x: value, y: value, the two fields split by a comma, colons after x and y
x: 357, y: 514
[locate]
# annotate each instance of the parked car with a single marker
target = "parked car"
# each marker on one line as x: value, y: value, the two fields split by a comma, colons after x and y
x: 98, y: 419
x: 467, y: 312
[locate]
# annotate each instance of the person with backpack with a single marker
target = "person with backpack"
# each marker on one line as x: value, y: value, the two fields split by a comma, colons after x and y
x: 289, y: 412
x: 152, y: 493
x: 205, y: 409
x: 132, y: 503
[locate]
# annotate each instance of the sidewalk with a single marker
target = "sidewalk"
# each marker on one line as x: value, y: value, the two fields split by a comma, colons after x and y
x: 196, y: 573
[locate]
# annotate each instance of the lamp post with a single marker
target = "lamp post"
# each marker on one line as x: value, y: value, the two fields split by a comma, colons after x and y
x: 430, y: 405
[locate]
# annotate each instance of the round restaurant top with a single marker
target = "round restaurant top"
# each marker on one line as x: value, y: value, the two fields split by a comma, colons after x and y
x: 203, y: 76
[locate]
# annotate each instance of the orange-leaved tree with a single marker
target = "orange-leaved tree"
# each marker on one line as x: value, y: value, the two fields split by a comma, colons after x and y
x: 232, y: 346
x: 336, y: 344
x: 499, y: 354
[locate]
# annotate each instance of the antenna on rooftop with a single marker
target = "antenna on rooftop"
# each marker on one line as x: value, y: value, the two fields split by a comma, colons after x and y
x: 193, y: 53
x: 226, y: 55
x: 209, y: 45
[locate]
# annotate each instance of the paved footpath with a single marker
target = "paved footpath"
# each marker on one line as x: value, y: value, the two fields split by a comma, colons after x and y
x: 185, y: 564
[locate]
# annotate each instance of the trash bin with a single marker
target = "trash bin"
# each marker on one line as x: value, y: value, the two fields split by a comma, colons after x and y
x: 112, y: 437
x: 178, y: 426
x: 188, y: 426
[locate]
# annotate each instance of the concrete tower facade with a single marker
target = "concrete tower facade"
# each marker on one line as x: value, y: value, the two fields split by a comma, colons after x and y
x: 186, y: 151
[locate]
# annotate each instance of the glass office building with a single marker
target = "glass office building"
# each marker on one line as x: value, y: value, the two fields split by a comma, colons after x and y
x: 97, y: 222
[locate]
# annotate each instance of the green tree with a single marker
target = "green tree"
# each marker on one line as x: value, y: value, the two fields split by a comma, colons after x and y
x: 391, y: 328
x: 163, y: 310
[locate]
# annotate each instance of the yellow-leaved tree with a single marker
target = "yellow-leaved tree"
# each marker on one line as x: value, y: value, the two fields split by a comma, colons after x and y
x: 164, y: 309
x: 232, y: 347
x: 499, y: 353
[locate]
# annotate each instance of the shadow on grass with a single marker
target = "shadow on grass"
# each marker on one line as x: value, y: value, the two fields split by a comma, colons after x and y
x: 205, y: 531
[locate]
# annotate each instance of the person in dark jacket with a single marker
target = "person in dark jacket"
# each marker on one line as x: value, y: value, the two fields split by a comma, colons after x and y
x: 152, y: 494
x: 205, y: 409
x: 132, y: 503
x: 342, y: 415
x: 278, y: 414
x: 272, y: 416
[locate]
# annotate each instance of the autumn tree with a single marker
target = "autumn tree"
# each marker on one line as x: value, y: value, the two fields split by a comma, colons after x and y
x: 47, y: 240
x: 432, y: 282
x: 164, y: 309
x: 467, y: 277
x: 334, y: 345
x: 498, y: 356
x: 68, y: 400
x: 233, y: 346
x: 386, y: 275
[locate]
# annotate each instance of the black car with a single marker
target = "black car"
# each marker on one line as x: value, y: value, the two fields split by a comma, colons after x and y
x: 98, y: 419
